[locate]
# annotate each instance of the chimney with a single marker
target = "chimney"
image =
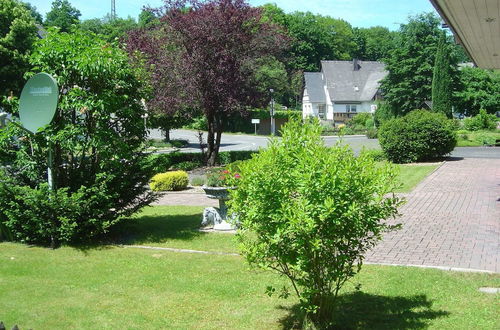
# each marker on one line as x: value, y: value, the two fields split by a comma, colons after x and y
x: 355, y: 64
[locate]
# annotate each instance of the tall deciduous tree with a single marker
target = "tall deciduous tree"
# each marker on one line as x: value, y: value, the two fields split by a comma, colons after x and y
x: 374, y: 43
x: 479, y: 89
x: 34, y: 12
x: 204, y: 56
x: 110, y: 29
x: 62, y: 15
x: 410, y: 64
x: 97, y: 136
x: 17, y: 35
x: 441, y: 80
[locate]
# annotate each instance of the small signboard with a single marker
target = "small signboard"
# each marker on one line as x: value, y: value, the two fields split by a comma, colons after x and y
x: 255, y: 121
x: 38, y: 102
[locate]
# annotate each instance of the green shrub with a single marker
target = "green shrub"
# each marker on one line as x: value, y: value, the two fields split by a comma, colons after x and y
x: 376, y: 154
x: 371, y: 133
x: 198, y: 181
x: 97, y: 139
x: 227, y: 157
x: 370, y: 123
x: 359, y: 120
x: 346, y: 131
x: 419, y: 136
x: 162, y: 162
x: 186, y: 166
x: 481, y: 121
x: 359, y: 128
x: 198, y: 123
x: 310, y: 212
x: 486, y: 140
x: 169, y: 181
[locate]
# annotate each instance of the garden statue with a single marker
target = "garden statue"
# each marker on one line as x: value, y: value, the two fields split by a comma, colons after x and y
x: 219, y: 183
x: 211, y: 216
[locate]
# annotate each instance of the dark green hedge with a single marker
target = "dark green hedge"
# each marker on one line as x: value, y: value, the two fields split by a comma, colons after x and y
x: 419, y: 136
x: 162, y: 162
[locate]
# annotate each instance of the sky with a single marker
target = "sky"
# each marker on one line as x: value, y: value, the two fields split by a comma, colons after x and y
x: 359, y: 13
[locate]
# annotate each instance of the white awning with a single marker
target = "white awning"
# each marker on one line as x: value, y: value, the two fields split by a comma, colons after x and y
x: 476, y: 26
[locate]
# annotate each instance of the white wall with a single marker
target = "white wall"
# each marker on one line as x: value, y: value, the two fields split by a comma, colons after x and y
x: 360, y: 107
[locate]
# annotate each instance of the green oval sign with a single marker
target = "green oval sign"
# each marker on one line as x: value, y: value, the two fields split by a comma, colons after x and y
x: 38, y: 102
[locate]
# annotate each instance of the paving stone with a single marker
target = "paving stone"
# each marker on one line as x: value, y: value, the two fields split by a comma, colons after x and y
x: 451, y: 219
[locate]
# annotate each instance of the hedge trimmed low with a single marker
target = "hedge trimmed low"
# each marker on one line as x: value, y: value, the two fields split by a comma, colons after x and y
x: 169, y: 181
x: 162, y: 162
x: 421, y: 135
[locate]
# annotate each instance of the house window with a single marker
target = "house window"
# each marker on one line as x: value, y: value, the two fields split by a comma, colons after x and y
x: 350, y: 108
x: 322, y: 111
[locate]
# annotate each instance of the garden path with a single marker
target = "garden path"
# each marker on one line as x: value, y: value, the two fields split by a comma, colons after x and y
x: 451, y: 219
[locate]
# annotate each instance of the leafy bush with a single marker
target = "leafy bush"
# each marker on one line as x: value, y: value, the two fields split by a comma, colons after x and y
x: 198, y: 123
x: 310, y: 212
x: 370, y: 123
x: 359, y: 120
x: 371, y: 133
x: 186, y: 166
x: 486, y: 140
x: 377, y: 155
x: 345, y: 130
x: 164, y: 144
x: 481, y: 121
x: 419, y: 136
x: 97, y: 138
x: 169, y: 181
x: 359, y: 128
x: 227, y: 157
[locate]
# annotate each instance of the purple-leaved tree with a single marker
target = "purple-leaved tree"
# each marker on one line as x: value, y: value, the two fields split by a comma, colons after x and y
x: 202, y: 56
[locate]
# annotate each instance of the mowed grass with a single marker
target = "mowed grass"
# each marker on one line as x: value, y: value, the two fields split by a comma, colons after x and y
x: 127, y: 288
x: 410, y: 175
x: 171, y: 226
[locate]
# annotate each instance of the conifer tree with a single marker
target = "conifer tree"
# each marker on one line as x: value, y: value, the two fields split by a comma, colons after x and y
x: 441, y: 80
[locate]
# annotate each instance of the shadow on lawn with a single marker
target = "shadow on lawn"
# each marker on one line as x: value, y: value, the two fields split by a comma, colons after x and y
x: 359, y: 310
x: 156, y: 229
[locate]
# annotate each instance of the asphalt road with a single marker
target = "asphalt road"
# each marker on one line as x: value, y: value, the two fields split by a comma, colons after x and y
x: 250, y: 142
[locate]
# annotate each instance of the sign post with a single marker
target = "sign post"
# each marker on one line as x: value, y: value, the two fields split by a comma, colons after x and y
x: 255, y: 122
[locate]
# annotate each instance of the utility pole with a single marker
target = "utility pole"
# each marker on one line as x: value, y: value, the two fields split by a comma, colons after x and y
x: 113, y: 10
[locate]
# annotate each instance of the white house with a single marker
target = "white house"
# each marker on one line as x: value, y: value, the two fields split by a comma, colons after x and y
x: 342, y: 89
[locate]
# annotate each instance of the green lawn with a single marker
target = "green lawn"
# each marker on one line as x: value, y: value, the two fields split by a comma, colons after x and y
x: 109, y: 287
x: 410, y: 175
x: 119, y: 288
x: 171, y: 226
x: 478, y: 138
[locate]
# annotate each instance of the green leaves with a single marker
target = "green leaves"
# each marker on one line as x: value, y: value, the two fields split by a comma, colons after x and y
x: 310, y: 212
x: 97, y: 139
x: 420, y: 135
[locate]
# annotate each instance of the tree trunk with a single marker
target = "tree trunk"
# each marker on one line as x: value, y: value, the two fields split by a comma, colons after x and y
x: 213, y: 140
x: 166, y: 132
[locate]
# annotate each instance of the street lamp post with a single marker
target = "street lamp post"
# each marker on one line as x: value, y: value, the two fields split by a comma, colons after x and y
x: 273, y: 124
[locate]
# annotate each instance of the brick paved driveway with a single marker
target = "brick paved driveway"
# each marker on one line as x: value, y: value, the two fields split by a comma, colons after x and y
x: 451, y: 219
